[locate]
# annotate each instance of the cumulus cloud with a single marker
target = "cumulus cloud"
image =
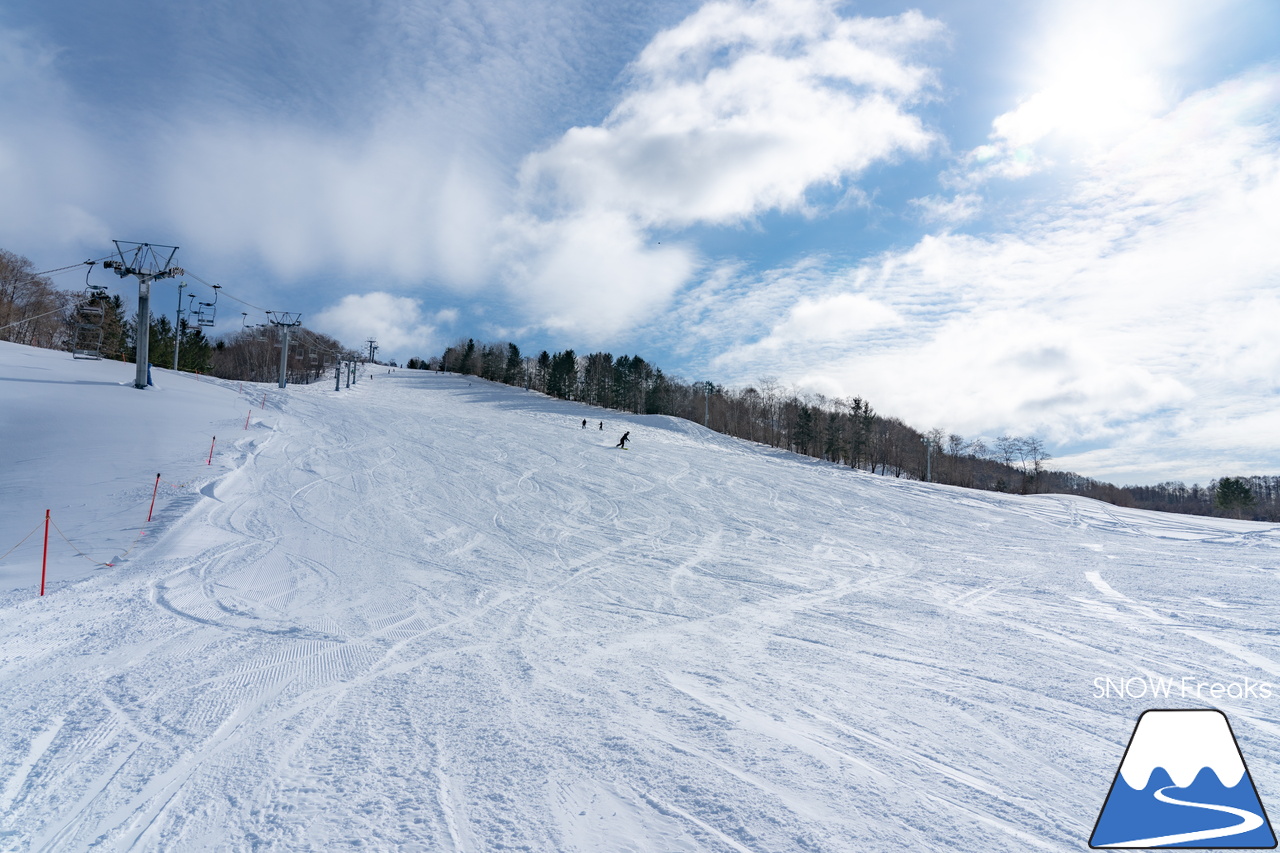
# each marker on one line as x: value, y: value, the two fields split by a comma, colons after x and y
x: 742, y: 108
x: 402, y: 328
x: 593, y: 273
x: 1144, y: 300
x: 821, y: 323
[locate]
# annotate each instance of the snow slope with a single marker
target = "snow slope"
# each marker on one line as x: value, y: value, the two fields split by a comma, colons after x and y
x: 430, y: 613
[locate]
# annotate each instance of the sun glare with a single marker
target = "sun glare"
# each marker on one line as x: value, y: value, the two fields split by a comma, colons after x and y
x: 1097, y: 70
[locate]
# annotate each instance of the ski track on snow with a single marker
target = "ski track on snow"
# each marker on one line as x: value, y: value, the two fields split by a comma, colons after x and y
x: 423, y: 614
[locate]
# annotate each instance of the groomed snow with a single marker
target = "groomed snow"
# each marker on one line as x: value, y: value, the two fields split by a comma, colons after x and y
x: 430, y: 613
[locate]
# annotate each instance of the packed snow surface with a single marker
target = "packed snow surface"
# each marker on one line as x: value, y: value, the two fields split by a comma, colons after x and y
x: 431, y: 613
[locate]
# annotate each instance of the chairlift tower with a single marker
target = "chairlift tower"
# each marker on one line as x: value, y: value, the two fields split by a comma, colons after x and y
x: 284, y: 320
x: 147, y: 262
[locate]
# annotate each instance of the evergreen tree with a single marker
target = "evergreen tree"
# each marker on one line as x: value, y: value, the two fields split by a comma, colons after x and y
x: 1233, y: 495
x: 469, y: 358
x: 512, y: 375
x: 562, y: 379
x: 195, y: 355
x: 115, y: 329
x: 542, y: 371
x: 160, y: 348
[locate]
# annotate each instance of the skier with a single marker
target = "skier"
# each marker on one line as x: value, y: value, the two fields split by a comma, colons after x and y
x: 584, y: 423
x: 622, y: 442
x: 602, y: 426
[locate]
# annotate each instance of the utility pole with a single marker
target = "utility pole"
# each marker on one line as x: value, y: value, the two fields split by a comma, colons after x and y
x: 177, y: 327
x: 707, y: 388
x: 146, y: 265
x: 284, y: 321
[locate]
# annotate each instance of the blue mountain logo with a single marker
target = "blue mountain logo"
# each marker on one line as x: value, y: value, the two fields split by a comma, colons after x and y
x: 1183, y: 783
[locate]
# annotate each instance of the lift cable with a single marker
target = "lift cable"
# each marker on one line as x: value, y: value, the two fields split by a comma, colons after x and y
x: 72, y: 266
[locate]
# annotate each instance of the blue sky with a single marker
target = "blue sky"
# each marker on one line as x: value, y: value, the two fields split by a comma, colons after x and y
x: 986, y: 217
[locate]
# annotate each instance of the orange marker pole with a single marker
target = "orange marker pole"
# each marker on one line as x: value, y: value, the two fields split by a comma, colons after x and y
x: 44, y: 563
x: 153, y: 497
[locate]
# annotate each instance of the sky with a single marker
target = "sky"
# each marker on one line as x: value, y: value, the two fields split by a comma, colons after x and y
x: 1054, y: 219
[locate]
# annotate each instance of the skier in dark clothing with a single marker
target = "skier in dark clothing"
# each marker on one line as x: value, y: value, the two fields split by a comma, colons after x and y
x: 622, y: 442
x: 584, y: 423
x: 602, y: 426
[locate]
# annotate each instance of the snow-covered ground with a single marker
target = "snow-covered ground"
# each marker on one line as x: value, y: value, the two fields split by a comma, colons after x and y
x: 429, y: 613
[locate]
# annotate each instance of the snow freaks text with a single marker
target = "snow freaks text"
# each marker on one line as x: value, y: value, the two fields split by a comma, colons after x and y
x: 1186, y: 687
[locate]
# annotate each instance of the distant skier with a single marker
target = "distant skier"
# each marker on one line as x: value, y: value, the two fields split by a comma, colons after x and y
x: 622, y: 442
x: 584, y: 423
x: 602, y: 426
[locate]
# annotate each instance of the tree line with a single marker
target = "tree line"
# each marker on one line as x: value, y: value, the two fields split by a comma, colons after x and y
x: 846, y: 431
x: 253, y: 355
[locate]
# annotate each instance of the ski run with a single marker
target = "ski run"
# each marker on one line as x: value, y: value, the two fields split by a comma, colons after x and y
x: 429, y: 613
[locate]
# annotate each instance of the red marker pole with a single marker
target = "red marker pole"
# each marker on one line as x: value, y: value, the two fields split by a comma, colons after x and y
x: 153, y: 497
x: 211, y: 444
x: 44, y: 563
x: 246, y: 419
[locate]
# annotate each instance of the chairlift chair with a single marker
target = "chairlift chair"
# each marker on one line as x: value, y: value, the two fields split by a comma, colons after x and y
x: 208, y: 312
x: 89, y: 316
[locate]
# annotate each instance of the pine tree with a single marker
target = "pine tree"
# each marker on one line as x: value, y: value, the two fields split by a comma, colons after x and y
x: 1233, y: 495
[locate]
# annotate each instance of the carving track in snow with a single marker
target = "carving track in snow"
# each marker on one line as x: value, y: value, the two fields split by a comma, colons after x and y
x: 428, y: 614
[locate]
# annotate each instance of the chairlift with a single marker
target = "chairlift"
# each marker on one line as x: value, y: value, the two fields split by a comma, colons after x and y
x: 89, y: 316
x: 207, y: 312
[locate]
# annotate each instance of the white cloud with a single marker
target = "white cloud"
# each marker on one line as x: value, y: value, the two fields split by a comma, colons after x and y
x: 818, y: 323
x: 958, y: 209
x: 593, y: 273
x: 1145, y: 301
x: 46, y: 159
x: 392, y: 203
x: 740, y: 109
x: 1101, y: 69
x: 382, y: 143
x: 398, y: 323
